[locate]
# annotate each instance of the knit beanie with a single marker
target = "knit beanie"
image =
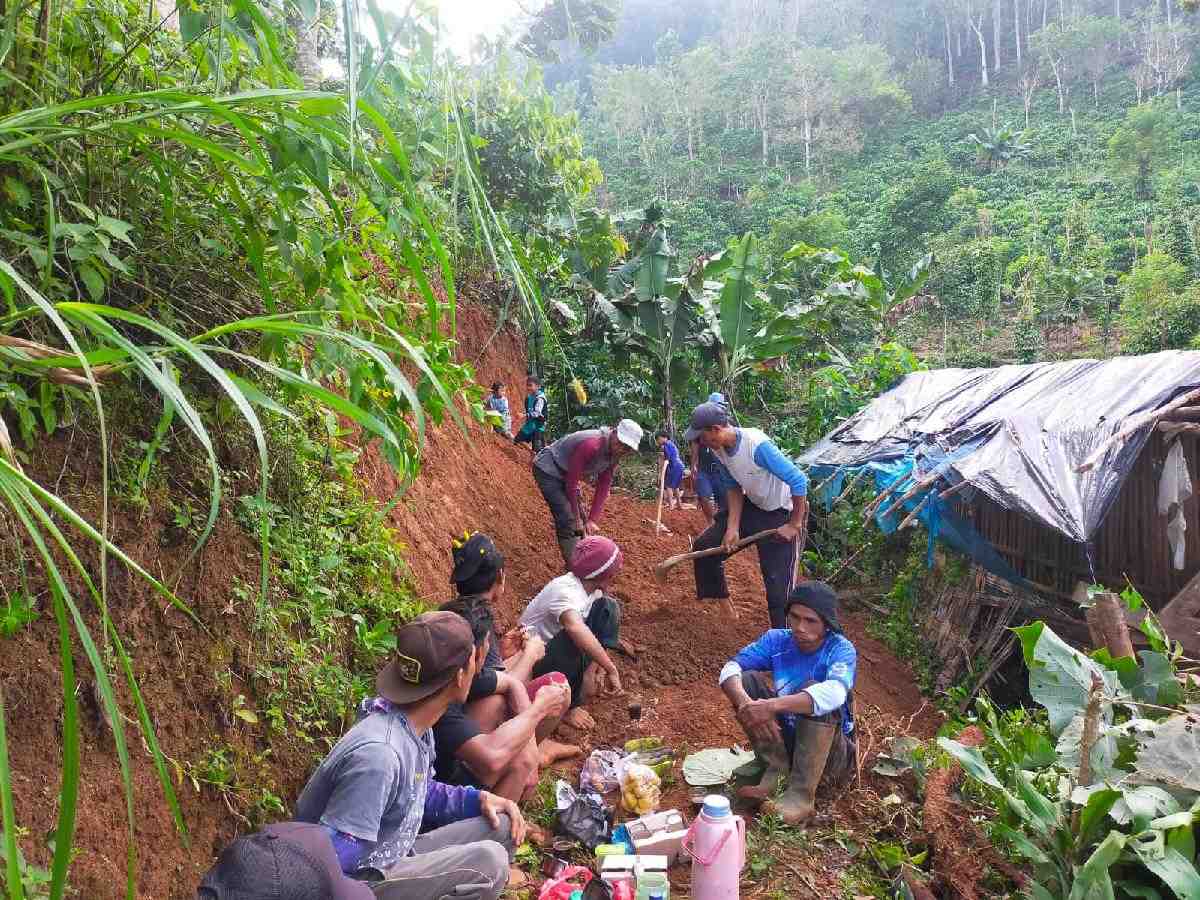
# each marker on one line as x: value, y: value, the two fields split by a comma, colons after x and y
x: 821, y: 599
x: 595, y: 556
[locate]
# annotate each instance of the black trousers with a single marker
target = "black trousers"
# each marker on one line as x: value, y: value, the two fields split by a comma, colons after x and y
x: 554, y: 491
x: 776, y: 559
x: 604, y: 621
x: 843, y: 755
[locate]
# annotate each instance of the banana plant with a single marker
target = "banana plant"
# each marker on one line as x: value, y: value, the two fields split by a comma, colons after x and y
x: 843, y: 296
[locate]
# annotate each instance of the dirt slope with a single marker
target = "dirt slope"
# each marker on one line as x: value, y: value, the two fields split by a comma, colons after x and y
x: 475, y: 481
x: 483, y: 482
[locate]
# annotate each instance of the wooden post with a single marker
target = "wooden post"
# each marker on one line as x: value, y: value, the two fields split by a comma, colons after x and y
x: 662, y: 482
x: 1106, y: 620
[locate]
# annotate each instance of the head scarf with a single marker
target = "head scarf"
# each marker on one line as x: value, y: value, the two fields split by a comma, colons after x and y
x: 821, y: 599
x: 475, y: 558
x: 595, y: 556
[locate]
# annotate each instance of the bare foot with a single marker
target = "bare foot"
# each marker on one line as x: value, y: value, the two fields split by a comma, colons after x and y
x: 579, y: 718
x: 550, y: 752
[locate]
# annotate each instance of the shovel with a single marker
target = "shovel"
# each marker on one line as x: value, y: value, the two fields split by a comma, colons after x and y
x: 661, y: 570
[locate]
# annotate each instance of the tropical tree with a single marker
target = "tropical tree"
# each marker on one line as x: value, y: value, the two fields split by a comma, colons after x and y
x: 999, y: 146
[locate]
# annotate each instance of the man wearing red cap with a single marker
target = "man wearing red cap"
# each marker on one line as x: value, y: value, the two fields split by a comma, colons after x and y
x: 578, y: 622
x: 375, y: 790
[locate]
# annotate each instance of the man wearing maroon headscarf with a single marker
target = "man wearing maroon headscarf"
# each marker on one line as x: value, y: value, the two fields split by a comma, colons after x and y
x: 578, y: 621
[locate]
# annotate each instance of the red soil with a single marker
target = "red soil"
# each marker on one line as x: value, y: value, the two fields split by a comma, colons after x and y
x: 478, y: 481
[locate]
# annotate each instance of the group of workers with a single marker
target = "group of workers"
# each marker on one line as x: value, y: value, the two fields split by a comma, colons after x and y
x: 419, y: 799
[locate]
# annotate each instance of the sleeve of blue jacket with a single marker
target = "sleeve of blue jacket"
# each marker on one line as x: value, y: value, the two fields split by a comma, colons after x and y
x: 754, y: 657
x: 770, y: 458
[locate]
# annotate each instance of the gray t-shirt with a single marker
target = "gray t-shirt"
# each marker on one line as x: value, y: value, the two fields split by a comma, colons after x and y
x: 372, y: 785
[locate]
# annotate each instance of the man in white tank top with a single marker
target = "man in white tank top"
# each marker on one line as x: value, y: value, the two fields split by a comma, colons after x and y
x: 764, y: 490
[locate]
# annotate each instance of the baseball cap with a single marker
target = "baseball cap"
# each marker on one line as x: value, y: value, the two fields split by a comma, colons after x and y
x: 285, y: 861
x: 629, y: 433
x: 705, y: 416
x: 429, y: 652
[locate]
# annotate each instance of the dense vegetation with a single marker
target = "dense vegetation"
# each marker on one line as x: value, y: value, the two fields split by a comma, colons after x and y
x: 1041, y: 150
x: 233, y: 236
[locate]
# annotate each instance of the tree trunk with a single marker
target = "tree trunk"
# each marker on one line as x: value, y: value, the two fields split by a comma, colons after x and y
x: 1096, y: 92
x: 996, y: 16
x: 308, y: 60
x: 1045, y: 7
x: 807, y: 146
x: 1017, y: 30
x: 949, y: 55
x: 1062, y: 100
x: 983, y: 60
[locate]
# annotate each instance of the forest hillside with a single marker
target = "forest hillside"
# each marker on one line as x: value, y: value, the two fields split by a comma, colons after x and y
x: 1044, y: 151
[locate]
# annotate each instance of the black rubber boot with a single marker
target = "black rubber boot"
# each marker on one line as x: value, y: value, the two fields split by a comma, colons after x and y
x: 813, y: 742
x: 567, y: 547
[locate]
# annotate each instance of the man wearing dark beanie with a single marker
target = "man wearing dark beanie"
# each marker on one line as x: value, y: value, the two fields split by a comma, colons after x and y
x: 792, y: 693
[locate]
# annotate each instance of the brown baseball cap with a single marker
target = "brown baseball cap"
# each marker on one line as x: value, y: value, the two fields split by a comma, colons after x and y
x: 429, y: 652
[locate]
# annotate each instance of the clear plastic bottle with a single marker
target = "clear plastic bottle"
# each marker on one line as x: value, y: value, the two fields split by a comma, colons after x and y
x: 653, y: 886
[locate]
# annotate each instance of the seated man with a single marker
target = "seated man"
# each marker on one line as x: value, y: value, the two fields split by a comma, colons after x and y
x: 253, y: 867
x: 375, y: 790
x: 505, y: 758
x: 577, y: 622
x: 801, y: 723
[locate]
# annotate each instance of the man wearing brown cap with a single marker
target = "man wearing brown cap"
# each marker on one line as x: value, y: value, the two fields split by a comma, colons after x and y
x: 375, y: 790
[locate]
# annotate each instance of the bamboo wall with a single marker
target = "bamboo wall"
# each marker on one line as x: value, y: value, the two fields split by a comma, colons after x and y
x: 1132, y: 541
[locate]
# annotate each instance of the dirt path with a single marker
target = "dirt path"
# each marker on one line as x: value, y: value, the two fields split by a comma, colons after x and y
x: 486, y: 484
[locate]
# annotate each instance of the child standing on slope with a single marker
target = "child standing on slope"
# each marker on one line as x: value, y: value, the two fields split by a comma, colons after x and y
x: 498, y: 403
x: 673, y: 475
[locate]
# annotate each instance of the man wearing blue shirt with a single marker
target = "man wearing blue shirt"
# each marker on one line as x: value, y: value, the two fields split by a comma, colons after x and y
x: 763, y: 490
x: 792, y: 693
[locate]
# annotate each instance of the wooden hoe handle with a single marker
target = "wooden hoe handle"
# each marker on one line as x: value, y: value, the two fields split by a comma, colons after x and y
x: 660, y: 571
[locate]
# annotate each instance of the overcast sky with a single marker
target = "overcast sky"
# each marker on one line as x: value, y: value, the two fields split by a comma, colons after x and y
x: 464, y: 20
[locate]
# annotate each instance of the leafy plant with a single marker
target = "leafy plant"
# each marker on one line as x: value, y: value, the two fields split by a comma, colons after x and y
x: 1084, y: 798
x: 18, y: 612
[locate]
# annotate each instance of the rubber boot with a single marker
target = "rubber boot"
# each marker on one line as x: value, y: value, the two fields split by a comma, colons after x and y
x: 775, y: 756
x: 813, y: 741
x: 567, y: 546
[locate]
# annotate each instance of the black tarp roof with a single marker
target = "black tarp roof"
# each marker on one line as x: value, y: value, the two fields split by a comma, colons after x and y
x: 1018, y: 433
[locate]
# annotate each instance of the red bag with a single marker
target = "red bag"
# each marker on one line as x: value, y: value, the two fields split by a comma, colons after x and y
x: 572, y: 878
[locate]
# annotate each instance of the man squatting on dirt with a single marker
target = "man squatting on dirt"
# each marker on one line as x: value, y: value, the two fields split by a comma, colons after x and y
x: 792, y: 692
x: 764, y: 489
x: 501, y: 735
x: 592, y: 454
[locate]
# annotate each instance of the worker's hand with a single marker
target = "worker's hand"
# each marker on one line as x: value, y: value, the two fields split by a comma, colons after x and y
x: 512, y: 642
x: 758, y: 719
x: 731, y: 538
x: 592, y: 528
x: 788, y: 532
x: 554, y: 699
x: 613, y: 679
x: 492, y: 806
x: 518, y: 698
x: 535, y: 647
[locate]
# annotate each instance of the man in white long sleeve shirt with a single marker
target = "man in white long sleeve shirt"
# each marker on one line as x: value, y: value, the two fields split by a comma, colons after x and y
x: 800, y: 719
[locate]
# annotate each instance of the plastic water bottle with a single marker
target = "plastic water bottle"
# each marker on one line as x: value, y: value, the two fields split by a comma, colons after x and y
x: 653, y: 886
x: 716, y: 842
